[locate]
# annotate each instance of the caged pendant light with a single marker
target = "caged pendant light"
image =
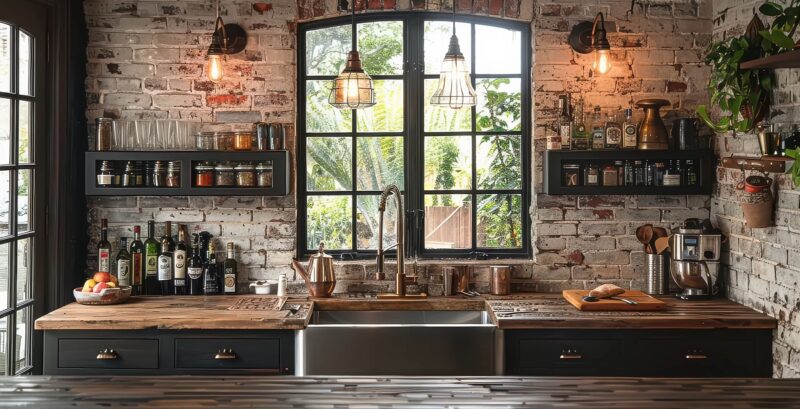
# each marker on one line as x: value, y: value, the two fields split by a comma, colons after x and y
x: 455, y: 87
x: 353, y: 88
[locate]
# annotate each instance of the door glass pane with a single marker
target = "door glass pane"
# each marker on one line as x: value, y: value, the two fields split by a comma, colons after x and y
x: 330, y: 219
x: 24, y: 260
x: 499, y: 104
x: 23, y: 150
x: 381, y: 47
x: 500, y: 221
x: 23, y: 201
x: 25, y: 45
x: 23, y: 338
x: 498, y: 50
x: 387, y: 114
x: 5, y: 255
x: 5, y: 202
x: 367, y: 222
x: 329, y: 164
x: 444, y: 119
x: 380, y: 162
x: 448, y: 221
x: 5, y: 58
x: 5, y: 131
x: 448, y: 162
x: 499, y: 162
x: 437, y: 41
x: 320, y: 115
x: 326, y: 50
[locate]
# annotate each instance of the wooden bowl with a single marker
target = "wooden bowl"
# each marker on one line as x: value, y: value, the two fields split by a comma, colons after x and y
x: 107, y: 296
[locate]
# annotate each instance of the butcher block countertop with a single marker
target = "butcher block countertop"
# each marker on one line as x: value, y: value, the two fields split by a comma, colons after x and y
x: 416, y: 392
x: 517, y: 311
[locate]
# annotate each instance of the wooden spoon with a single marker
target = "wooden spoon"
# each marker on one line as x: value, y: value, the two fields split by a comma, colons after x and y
x: 660, y: 232
x: 645, y: 235
x: 662, y: 244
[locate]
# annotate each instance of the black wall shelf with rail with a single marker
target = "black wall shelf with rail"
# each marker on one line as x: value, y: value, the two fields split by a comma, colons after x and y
x: 280, y: 172
x: 554, y: 159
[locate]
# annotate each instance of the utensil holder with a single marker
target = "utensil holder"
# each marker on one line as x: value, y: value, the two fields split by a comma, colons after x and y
x: 656, y: 265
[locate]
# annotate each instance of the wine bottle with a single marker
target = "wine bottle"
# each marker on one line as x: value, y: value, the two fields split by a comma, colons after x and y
x: 123, y: 263
x: 151, y: 250
x: 137, y: 262
x: 229, y: 267
x: 195, y: 269
x: 179, y: 262
x: 598, y: 130
x: 564, y: 122
x: 104, y: 249
x: 211, y: 282
x: 165, y: 265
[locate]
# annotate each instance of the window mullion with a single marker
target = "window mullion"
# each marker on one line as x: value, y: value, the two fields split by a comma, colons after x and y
x: 415, y: 108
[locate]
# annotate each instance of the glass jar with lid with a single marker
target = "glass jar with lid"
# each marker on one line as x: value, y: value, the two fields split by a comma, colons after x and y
x: 105, y: 177
x: 242, y: 141
x: 173, y: 174
x: 571, y: 174
x: 204, y: 141
x: 224, y: 175
x: 223, y: 141
x: 204, y: 175
x: 591, y: 175
x: 245, y: 175
x: 610, y: 175
x: 264, y: 174
x: 159, y: 174
x: 131, y: 177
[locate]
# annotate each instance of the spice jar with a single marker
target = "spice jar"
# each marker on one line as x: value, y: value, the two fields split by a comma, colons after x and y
x: 610, y: 175
x: 245, y: 175
x: 264, y: 174
x: 591, y: 177
x: 159, y: 174
x: 173, y: 174
x: 204, y: 141
x: 148, y: 174
x: 204, y: 175
x: 571, y: 174
x: 131, y: 177
x: 242, y: 141
x: 105, y: 177
x: 224, y: 175
x: 223, y: 141
x: 103, y: 134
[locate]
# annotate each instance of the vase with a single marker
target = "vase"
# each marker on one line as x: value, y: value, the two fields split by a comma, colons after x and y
x: 652, y: 132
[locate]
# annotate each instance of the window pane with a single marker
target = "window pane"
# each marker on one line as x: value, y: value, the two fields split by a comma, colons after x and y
x: 443, y: 119
x: 326, y: 50
x: 23, y: 339
x: 498, y: 50
x: 380, y: 162
x: 387, y: 114
x: 5, y: 250
x: 330, y: 219
x: 448, y: 162
x: 500, y: 221
x: 381, y: 47
x: 24, y: 264
x: 25, y: 44
x: 448, y: 221
x: 5, y: 202
x: 5, y: 58
x: 499, y: 106
x: 23, y: 201
x: 3, y: 345
x: 320, y: 115
x: 329, y: 164
x: 499, y: 162
x: 23, y: 150
x: 437, y: 40
x: 367, y: 222
x: 5, y: 131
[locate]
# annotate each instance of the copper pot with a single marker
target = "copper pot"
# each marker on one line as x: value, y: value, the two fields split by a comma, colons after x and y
x: 652, y: 132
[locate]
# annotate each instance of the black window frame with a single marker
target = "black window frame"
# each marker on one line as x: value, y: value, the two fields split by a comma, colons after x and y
x: 414, y: 78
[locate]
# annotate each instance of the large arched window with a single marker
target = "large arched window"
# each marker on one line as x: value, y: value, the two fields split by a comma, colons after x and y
x: 464, y: 173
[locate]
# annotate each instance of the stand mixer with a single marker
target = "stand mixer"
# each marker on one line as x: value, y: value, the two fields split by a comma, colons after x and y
x: 694, y: 263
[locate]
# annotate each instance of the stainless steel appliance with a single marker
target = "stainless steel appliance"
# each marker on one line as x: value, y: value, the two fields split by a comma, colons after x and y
x: 694, y: 263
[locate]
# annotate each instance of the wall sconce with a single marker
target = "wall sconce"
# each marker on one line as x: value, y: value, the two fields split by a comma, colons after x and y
x: 227, y: 39
x: 590, y: 36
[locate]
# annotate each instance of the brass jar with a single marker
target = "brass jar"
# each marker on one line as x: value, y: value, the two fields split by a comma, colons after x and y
x: 652, y: 132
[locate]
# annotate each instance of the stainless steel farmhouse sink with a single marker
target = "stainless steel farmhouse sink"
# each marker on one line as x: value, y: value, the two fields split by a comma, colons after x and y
x: 398, y: 343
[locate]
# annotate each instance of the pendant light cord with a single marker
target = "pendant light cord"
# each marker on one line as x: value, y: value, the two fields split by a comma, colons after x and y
x: 217, y: 8
x: 454, y: 17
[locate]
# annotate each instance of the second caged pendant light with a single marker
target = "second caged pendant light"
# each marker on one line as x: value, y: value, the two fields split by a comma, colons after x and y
x: 455, y: 89
x: 353, y: 88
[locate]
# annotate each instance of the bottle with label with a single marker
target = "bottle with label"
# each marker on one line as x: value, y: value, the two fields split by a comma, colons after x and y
x: 194, y: 270
x: 137, y: 262
x: 690, y: 173
x: 649, y: 173
x: 638, y: 173
x: 211, y: 281
x: 165, y: 266
x: 630, y: 139
x: 564, y: 122
x: 151, y: 250
x: 104, y: 249
x: 123, y: 263
x: 230, y: 270
x: 179, y: 258
x: 613, y: 132
x: 630, y: 175
x: 598, y: 130
x: 580, y: 136
x: 671, y: 176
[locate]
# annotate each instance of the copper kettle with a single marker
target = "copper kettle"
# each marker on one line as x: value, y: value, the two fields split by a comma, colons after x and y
x: 319, y: 275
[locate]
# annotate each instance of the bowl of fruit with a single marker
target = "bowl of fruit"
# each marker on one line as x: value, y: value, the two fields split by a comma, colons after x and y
x: 102, y: 289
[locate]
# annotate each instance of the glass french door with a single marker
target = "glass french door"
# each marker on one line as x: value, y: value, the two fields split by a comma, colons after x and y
x: 22, y: 119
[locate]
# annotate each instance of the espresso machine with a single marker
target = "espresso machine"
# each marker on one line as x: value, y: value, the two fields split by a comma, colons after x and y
x: 694, y: 264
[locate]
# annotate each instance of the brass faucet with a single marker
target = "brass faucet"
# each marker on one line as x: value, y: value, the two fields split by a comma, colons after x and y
x: 401, y: 278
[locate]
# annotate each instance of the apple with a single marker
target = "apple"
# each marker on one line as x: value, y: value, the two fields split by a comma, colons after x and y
x: 114, y: 279
x: 102, y: 277
x: 111, y: 284
x: 100, y: 287
x: 88, y: 286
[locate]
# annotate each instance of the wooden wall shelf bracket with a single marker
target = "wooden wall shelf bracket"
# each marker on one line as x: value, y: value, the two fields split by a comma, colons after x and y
x: 769, y: 164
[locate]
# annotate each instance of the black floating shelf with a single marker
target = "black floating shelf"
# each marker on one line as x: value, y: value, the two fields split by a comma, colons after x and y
x: 789, y: 59
x: 554, y: 159
x: 280, y: 173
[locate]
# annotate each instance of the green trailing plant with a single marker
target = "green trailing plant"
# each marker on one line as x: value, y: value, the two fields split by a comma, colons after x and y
x: 795, y: 169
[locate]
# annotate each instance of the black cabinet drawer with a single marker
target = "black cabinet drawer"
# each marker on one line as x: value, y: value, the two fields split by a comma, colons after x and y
x: 263, y: 354
x: 108, y: 353
x: 566, y: 353
x: 698, y: 356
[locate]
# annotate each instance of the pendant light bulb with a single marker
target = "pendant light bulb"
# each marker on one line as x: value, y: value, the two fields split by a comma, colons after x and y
x: 454, y: 89
x: 602, y: 61
x: 214, y: 68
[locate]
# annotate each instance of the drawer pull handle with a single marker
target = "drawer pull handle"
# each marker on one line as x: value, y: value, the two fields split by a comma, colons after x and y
x: 570, y: 354
x: 696, y: 356
x: 225, y: 355
x: 107, y: 355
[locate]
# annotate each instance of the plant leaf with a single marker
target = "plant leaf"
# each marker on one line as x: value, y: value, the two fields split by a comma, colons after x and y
x: 770, y: 9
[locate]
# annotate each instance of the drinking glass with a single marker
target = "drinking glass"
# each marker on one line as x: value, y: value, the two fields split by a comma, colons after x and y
x: 119, y: 135
x: 180, y: 132
x: 144, y: 138
x: 192, y: 128
x: 165, y: 134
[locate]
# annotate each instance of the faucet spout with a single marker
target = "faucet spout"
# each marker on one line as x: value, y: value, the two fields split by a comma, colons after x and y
x: 401, y: 270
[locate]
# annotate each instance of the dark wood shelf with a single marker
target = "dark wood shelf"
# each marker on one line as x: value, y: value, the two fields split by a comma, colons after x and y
x: 789, y: 59
x: 554, y: 159
x: 769, y: 164
x: 279, y: 159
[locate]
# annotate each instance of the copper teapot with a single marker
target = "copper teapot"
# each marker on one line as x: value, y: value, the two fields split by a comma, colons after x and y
x: 319, y: 275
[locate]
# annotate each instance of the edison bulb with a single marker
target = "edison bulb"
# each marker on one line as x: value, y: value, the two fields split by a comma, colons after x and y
x: 602, y: 61
x: 351, y: 86
x: 214, y: 69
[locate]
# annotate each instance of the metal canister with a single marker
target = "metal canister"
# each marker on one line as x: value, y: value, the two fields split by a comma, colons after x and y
x: 500, y: 283
x: 103, y: 134
x: 448, y: 277
x: 262, y: 136
x: 277, y: 137
x: 656, y: 274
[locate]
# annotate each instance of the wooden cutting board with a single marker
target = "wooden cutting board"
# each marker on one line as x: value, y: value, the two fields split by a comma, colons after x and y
x: 645, y: 302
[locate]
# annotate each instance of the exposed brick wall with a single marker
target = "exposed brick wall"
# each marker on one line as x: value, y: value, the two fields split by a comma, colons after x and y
x: 764, y: 264
x: 146, y: 60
